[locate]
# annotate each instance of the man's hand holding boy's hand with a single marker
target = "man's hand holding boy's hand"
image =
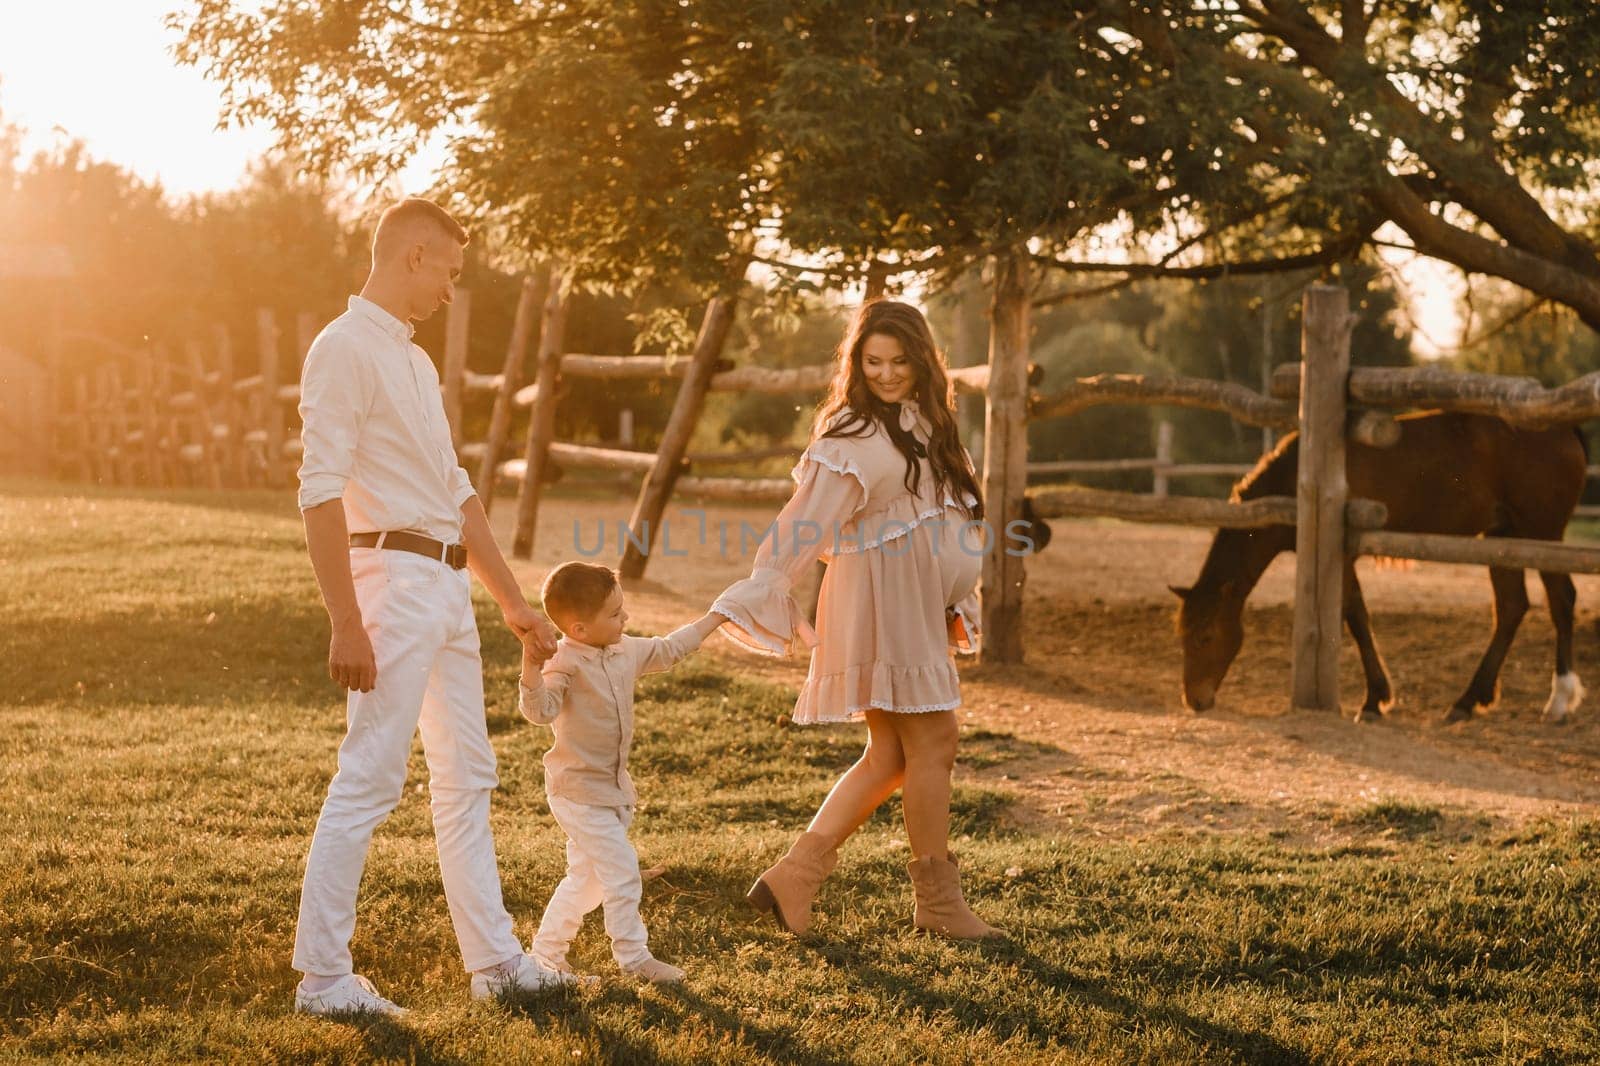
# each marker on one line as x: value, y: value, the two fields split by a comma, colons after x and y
x: 535, y: 651
x: 532, y: 628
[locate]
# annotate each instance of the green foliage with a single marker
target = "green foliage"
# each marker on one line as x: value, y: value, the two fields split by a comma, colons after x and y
x: 1205, y: 329
x: 151, y: 270
x: 1516, y: 338
x: 651, y: 139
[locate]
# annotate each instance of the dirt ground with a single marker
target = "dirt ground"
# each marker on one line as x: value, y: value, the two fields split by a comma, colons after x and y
x: 1089, y: 733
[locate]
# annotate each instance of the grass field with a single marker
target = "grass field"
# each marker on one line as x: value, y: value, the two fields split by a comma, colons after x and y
x: 168, y: 732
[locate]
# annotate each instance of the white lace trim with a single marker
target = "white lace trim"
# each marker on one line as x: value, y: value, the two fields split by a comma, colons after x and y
x: 757, y: 643
x: 850, y: 546
x: 855, y: 712
x: 840, y: 466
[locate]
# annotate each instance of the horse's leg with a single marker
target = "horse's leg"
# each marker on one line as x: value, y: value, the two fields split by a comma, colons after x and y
x: 1380, y: 695
x: 1566, y: 691
x: 1510, y: 604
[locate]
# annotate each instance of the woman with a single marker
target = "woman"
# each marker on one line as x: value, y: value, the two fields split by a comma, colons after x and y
x: 886, y: 494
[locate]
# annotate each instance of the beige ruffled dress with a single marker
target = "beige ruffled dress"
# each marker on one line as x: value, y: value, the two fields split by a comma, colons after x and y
x: 900, y: 594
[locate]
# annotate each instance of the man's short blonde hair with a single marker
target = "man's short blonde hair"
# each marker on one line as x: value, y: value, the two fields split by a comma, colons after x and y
x: 403, y: 224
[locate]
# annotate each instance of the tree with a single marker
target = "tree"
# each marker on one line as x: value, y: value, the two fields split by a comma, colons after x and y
x: 126, y: 251
x: 1468, y: 126
x: 641, y: 138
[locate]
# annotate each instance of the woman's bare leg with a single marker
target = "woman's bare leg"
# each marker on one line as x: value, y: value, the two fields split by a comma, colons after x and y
x: 928, y: 740
x: 864, y: 786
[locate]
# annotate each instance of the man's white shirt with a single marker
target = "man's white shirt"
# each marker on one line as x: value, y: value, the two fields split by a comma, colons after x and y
x: 374, y: 429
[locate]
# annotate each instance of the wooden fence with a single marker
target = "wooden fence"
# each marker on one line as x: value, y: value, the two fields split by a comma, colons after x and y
x: 165, y: 417
x: 1317, y: 394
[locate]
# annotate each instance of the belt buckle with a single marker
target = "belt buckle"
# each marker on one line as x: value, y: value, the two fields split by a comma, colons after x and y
x: 455, y: 556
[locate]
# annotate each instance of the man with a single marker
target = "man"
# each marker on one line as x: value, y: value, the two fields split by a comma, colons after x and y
x: 391, y: 521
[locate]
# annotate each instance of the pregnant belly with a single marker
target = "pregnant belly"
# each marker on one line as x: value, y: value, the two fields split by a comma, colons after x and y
x: 960, y: 561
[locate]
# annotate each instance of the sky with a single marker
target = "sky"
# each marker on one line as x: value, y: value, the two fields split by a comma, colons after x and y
x: 102, y: 71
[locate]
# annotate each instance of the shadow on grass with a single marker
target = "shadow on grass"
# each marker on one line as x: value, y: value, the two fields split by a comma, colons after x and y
x: 389, y: 1040
x: 617, y: 1041
x: 270, y: 650
x: 999, y: 1013
x: 780, y: 1043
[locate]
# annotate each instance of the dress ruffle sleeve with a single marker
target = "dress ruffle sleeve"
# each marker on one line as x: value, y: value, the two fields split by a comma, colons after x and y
x: 762, y: 615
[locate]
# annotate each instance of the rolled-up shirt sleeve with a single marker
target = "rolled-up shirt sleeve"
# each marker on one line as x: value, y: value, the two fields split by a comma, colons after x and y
x: 540, y: 697
x: 461, y: 489
x: 336, y: 391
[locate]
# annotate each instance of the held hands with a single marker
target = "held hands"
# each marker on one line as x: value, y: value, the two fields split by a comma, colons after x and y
x: 538, y: 636
x: 351, y: 662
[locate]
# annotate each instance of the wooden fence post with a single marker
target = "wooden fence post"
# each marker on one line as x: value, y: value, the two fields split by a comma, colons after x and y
x: 104, y: 429
x: 205, y: 421
x: 645, y: 523
x: 82, y: 422
x: 1321, y: 491
x: 170, y: 438
x: 271, y: 417
x: 150, y: 426
x: 542, y: 414
x: 1163, y: 458
x: 116, y: 407
x: 231, y: 411
x: 457, y: 320
x: 1005, y: 458
x: 529, y: 301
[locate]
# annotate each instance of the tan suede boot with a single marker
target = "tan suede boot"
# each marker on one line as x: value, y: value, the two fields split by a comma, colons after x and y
x: 787, y: 888
x: 940, y: 908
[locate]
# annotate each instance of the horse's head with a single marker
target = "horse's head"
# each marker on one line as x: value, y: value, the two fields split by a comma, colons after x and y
x: 1210, y: 626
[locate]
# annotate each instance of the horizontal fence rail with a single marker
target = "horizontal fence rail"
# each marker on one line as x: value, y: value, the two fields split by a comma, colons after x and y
x: 1076, y: 501
x: 1149, y: 390
x: 1518, y: 400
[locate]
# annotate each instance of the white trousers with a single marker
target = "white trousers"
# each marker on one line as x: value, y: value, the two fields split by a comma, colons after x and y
x: 602, y: 869
x: 418, y: 614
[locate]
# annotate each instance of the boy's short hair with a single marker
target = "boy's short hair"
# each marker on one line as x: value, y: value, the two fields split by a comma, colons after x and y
x: 575, y: 591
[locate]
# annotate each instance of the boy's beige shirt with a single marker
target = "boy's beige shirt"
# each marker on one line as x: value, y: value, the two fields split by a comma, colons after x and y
x: 585, y: 694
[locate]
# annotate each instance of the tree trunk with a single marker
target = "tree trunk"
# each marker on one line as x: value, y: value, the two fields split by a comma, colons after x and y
x: 542, y: 418
x: 645, y: 522
x: 1005, y: 456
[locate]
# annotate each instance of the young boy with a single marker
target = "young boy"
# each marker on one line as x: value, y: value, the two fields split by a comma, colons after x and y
x: 584, y: 692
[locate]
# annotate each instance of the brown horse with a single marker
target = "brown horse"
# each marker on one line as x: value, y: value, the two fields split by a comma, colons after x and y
x: 1449, y: 473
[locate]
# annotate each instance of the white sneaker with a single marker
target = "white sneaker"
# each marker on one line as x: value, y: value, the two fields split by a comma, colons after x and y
x: 526, y: 976
x: 655, y: 971
x: 351, y: 994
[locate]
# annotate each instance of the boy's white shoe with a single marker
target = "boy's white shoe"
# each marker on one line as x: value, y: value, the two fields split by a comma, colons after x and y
x: 553, y: 964
x: 524, y: 975
x: 655, y: 971
x: 351, y: 994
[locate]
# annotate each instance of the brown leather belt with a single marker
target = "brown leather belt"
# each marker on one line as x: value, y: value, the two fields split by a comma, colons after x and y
x: 452, y: 555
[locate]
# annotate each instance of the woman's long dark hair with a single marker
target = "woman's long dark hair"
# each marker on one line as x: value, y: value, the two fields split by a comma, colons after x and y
x: 848, y: 392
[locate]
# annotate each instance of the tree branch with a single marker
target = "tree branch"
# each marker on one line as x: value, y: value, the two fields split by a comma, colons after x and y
x: 1435, y: 237
x: 527, y: 25
x: 1479, y: 181
x: 1329, y: 253
x: 1548, y: 276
